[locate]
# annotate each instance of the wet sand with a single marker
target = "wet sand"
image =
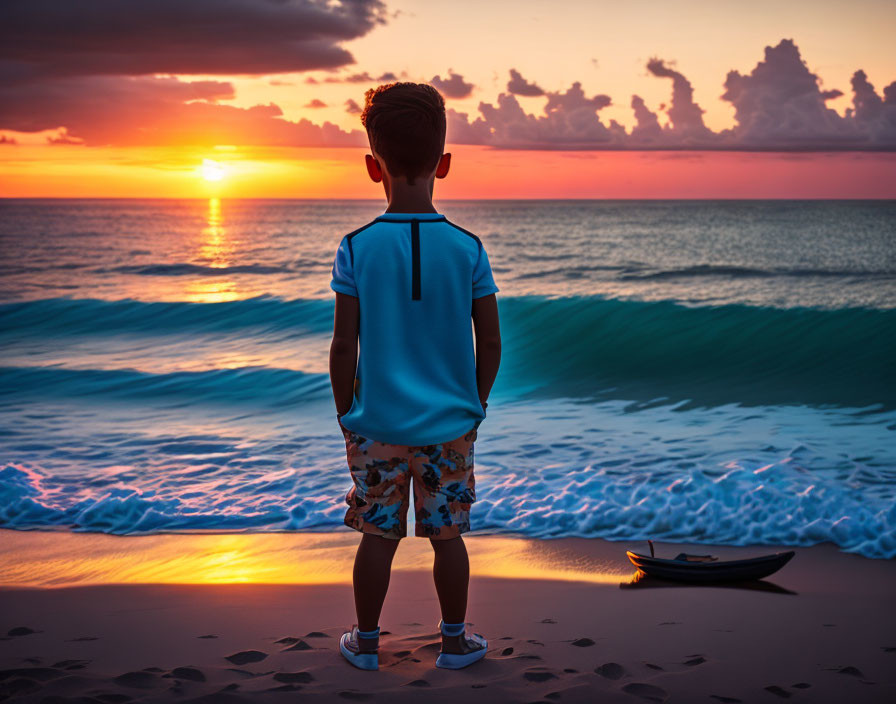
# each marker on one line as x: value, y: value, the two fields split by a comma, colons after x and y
x: 223, y: 618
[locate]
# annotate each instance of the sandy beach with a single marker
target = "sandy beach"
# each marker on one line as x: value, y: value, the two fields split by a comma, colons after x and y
x: 261, y: 618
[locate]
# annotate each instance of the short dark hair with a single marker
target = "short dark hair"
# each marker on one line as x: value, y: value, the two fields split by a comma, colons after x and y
x: 405, y: 123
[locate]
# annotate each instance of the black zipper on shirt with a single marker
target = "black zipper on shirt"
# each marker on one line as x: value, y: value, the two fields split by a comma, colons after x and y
x: 415, y: 260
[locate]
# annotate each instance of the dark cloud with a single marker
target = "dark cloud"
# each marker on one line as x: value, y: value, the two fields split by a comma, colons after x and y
x: 352, y: 108
x: 127, y: 111
x: 779, y: 106
x: 363, y: 77
x: 517, y: 85
x: 315, y: 103
x: 139, y: 37
x: 452, y: 87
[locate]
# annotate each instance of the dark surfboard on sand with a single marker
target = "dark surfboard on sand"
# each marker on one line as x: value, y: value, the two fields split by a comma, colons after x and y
x: 688, y: 569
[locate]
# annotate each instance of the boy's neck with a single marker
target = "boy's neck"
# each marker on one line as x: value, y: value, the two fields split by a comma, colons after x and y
x: 404, y: 198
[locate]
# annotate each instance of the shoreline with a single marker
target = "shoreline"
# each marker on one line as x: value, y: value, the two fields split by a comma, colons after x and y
x: 559, y: 626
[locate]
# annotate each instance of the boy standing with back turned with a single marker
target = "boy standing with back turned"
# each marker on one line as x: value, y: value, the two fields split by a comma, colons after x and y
x: 407, y: 284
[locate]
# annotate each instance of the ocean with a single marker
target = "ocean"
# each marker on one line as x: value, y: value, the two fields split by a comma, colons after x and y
x: 695, y: 371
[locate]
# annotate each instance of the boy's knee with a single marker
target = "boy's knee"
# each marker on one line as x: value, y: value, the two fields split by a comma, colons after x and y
x: 445, y: 543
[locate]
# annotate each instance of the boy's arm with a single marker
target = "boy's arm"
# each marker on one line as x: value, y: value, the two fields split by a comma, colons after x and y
x: 344, y: 351
x: 488, y: 343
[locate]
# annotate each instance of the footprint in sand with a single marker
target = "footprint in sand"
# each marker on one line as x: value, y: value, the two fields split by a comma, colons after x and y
x: 294, y: 677
x: 646, y: 691
x: 583, y: 642
x: 801, y: 685
x: 888, y: 648
x: 670, y: 623
x: 724, y: 700
x: 82, y: 638
x: 570, y: 670
x: 539, y: 675
x: 114, y: 698
x: 208, y: 636
x: 507, y: 651
x: 284, y: 688
x: 850, y: 670
x: 316, y: 634
x: 21, y: 631
x: 699, y: 660
x: 352, y: 694
x: 137, y: 680
x: 188, y: 673
x: 610, y: 670
x: 298, y: 645
x: 778, y: 691
x: 72, y: 664
x: 247, y: 656
x: 19, y: 686
x: 652, y: 666
x: 548, y: 620
x: 417, y: 683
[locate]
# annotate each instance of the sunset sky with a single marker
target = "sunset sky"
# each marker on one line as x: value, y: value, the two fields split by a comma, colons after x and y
x: 250, y: 98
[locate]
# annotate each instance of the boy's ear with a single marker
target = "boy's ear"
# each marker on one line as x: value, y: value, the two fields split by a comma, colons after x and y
x: 443, y: 165
x: 373, y: 168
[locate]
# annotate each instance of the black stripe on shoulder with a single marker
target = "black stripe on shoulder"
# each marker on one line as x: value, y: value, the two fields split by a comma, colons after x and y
x: 466, y: 232
x: 348, y: 238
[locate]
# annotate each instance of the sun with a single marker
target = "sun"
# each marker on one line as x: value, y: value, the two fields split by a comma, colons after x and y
x: 212, y: 170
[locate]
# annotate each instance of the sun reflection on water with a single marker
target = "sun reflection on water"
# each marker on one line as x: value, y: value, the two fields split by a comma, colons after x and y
x: 217, y: 250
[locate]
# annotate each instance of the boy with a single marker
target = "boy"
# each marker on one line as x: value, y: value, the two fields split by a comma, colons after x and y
x: 409, y: 406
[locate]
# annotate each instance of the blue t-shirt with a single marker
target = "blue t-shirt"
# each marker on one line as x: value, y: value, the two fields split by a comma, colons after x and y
x: 415, y: 275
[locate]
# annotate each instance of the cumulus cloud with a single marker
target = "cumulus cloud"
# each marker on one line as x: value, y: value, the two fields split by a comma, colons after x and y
x: 517, y: 85
x: 780, y: 105
x: 452, y: 87
x: 140, y: 37
x: 352, y: 107
x: 570, y: 121
x: 316, y: 103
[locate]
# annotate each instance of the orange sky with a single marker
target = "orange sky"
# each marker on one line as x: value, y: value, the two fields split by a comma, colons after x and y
x: 147, y: 134
x: 476, y: 172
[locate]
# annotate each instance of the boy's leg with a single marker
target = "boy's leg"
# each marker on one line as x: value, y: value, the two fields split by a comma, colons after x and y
x: 377, y: 506
x: 444, y: 489
x: 451, y: 574
x: 373, y: 567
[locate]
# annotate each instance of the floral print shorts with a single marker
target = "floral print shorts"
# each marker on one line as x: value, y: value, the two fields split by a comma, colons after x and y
x: 443, y: 485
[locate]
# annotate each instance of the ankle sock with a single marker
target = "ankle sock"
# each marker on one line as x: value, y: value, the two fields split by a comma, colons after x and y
x: 453, y: 629
x: 369, y: 635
